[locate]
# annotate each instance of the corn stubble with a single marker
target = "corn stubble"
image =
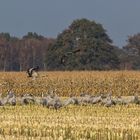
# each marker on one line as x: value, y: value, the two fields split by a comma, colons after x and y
x: 92, y: 122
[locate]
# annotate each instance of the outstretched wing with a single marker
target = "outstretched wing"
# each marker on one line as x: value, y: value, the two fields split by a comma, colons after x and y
x: 35, y: 68
x: 31, y: 70
x: 63, y: 58
x: 75, y: 51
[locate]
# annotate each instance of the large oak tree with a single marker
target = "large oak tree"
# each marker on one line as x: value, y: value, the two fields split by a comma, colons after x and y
x: 96, y: 49
x: 131, y: 55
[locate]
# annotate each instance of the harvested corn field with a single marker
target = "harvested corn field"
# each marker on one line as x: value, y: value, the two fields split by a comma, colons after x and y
x: 73, y: 121
x: 122, y: 83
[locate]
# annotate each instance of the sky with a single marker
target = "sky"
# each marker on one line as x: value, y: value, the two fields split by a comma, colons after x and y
x: 120, y: 18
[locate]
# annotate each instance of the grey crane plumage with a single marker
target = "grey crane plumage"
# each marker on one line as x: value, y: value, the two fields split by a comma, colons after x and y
x: 108, y: 101
x: 96, y: 99
x: 133, y: 100
x: 120, y: 101
x: 11, y: 98
x: 71, y: 100
x: 52, y: 102
x: 27, y: 99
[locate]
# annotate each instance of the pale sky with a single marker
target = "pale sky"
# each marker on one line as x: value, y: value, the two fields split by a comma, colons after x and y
x: 120, y: 18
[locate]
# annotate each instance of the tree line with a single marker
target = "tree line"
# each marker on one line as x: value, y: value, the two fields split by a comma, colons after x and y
x: 96, y: 50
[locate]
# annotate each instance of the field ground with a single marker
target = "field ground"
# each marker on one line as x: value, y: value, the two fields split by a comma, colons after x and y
x: 123, y: 83
x: 72, y: 122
